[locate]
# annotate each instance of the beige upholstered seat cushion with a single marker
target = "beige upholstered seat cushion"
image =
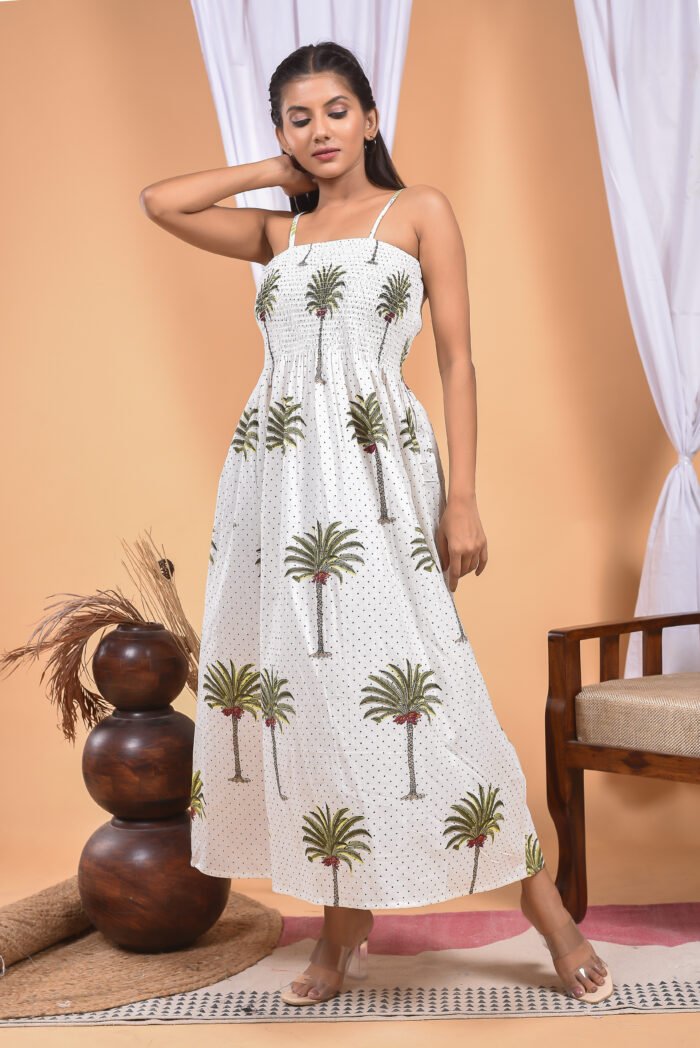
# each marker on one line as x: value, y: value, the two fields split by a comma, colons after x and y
x: 659, y: 713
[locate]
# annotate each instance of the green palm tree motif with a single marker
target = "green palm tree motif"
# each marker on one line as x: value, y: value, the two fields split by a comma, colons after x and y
x: 274, y: 710
x: 404, y: 354
x: 427, y: 562
x: 282, y: 425
x: 476, y: 819
x: 316, y: 557
x: 265, y: 305
x: 421, y: 550
x: 332, y: 838
x: 370, y: 431
x: 393, y: 302
x: 534, y: 859
x: 403, y: 697
x: 323, y: 295
x: 245, y: 438
x: 234, y: 692
x: 409, y: 430
x: 373, y: 260
x: 197, y: 801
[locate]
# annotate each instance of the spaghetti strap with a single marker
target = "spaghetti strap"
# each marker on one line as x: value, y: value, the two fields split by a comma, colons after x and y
x: 381, y: 214
x: 293, y: 227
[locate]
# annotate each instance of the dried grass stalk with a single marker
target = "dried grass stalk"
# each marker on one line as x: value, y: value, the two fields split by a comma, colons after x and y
x: 154, y: 574
x: 65, y: 633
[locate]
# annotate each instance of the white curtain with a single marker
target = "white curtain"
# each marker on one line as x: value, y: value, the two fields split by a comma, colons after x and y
x: 642, y: 58
x: 243, y: 41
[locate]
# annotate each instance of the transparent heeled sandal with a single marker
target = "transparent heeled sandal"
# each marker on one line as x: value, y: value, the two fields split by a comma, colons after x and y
x: 329, y: 963
x: 565, y: 939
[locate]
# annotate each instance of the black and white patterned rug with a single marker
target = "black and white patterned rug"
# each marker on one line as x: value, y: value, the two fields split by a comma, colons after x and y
x: 446, y: 966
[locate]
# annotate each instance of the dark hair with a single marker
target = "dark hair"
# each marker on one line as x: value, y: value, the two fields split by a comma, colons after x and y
x: 329, y: 57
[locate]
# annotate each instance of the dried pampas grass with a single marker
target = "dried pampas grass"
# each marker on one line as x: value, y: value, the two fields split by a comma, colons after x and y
x: 155, y: 573
x: 66, y: 632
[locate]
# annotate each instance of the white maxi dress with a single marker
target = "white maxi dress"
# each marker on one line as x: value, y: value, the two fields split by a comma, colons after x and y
x: 345, y: 743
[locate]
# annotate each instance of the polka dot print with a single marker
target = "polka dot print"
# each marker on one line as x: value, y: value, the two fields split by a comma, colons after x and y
x: 346, y: 745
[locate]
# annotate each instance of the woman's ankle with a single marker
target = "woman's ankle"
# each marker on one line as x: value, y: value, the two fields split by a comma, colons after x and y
x: 546, y: 912
x: 342, y: 922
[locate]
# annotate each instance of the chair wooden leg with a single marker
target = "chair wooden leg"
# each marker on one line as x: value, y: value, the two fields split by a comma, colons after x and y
x: 565, y: 800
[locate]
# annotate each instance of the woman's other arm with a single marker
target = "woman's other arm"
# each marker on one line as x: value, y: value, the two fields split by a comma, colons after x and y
x: 461, y: 540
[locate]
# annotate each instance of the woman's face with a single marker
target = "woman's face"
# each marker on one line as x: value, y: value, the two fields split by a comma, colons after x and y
x: 320, y: 111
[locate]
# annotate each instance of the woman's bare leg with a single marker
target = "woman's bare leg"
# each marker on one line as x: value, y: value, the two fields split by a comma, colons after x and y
x: 342, y: 926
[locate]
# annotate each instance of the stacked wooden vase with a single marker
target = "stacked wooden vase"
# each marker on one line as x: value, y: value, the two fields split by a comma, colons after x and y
x: 135, y: 878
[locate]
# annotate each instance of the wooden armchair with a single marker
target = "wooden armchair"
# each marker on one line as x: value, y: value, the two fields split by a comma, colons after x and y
x: 648, y: 725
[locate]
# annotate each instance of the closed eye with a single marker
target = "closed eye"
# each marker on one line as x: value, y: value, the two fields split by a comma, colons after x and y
x: 339, y: 113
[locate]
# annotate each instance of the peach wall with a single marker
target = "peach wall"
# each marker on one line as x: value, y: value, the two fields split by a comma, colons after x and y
x: 130, y: 354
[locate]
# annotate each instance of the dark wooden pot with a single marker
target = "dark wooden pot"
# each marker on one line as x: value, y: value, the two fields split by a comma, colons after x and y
x: 139, y: 666
x: 138, y: 764
x: 135, y: 878
x: 138, y: 887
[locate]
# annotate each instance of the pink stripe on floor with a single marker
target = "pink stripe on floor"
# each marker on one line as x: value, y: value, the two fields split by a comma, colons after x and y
x: 660, y: 924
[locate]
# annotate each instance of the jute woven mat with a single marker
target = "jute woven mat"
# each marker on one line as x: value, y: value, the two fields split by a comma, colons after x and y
x: 88, y: 972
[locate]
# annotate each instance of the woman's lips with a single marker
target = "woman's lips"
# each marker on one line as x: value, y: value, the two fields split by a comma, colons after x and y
x: 327, y: 154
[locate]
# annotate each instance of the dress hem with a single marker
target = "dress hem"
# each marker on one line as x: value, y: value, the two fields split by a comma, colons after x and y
x: 364, y: 904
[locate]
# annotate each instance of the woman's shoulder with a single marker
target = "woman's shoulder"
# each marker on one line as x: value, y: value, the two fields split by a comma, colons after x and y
x: 427, y: 196
x: 429, y: 209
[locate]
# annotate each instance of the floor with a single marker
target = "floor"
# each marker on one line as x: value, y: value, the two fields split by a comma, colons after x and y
x: 622, y: 1031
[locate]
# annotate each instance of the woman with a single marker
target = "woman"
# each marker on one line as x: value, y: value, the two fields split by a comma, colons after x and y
x: 365, y: 682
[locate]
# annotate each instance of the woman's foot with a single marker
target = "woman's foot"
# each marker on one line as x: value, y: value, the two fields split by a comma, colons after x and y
x: 343, y: 927
x: 582, y: 971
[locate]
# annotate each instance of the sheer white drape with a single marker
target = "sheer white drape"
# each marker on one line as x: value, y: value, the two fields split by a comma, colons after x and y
x: 642, y: 58
x: 243, y: 41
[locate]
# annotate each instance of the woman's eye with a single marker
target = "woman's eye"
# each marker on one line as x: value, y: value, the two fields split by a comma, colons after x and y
x: 338, y: 113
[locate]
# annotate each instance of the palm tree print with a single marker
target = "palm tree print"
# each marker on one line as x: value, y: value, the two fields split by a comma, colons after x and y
x: 393, y: 302
x: 403, y: 697
x: 197, y: 801
x: 234, y: 692
x: 323, y: 294
x: 245, y: 438
x: 477, y: 818
x: 265, y: 305
x: 373, y: 260
x: 316, y: 557
x: 370, y: 431
x: 534, y: 859
x: 212, y: 550
x: 409, y: 430
x: 427, y: 562
x: 332, y: 838
x: 404, y: 354
x: 274, y: 710
x: 282, y: 424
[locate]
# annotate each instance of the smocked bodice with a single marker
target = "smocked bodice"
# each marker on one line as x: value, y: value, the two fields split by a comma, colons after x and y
x: 356, y: 296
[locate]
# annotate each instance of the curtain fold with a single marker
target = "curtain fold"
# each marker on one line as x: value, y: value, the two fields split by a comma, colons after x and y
x: 243, y: 41
x: 642, y: 61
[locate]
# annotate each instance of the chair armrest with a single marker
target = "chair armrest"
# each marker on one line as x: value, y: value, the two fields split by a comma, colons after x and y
x: 614, y: 627
x: 564, y: 651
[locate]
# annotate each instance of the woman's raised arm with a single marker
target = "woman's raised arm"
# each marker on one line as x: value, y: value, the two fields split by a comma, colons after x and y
x: 185, y: 206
